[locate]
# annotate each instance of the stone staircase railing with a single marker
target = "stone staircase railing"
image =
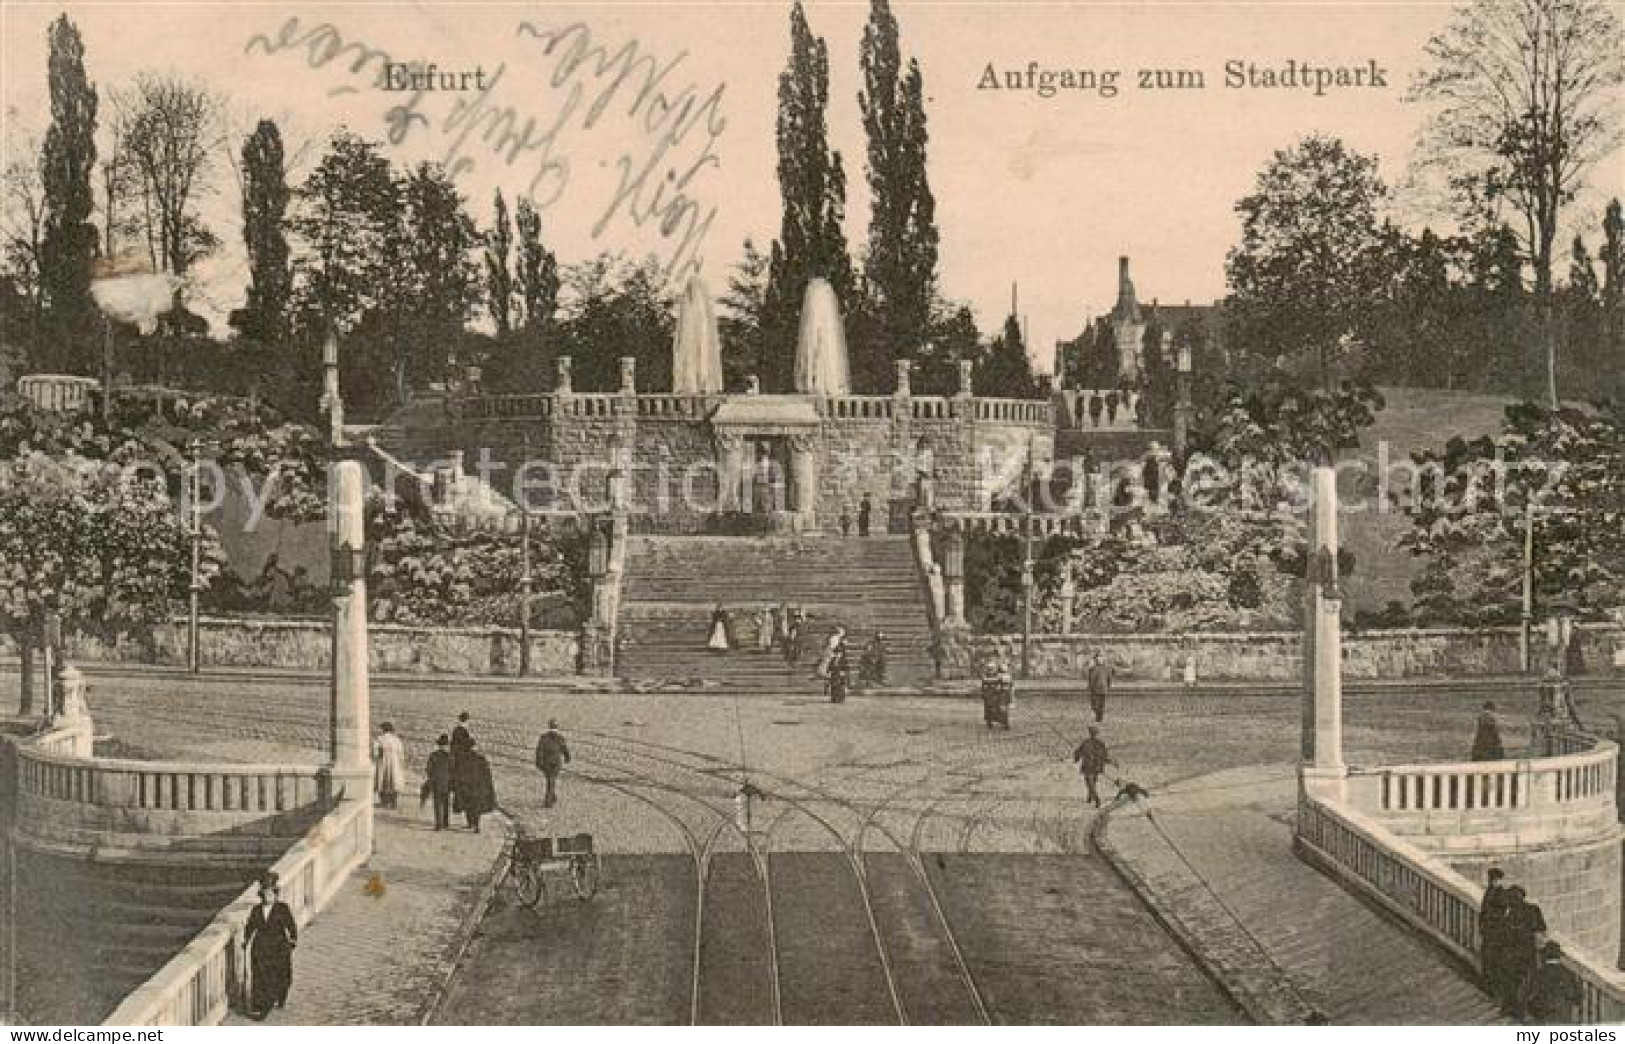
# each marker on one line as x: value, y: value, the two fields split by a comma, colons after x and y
x: 1008, y: 524
x: 199, y: 984
x: 1391, y: 833
x: 1429, y: 896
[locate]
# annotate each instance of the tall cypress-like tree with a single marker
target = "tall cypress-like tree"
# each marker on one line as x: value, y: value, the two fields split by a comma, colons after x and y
x: 811, y: 242
x: 498, y: 281
x: 900, y: 267
x: 66, y: 162
x: 265, y: 205
x: 1613, y: 284
x: 538, y: 269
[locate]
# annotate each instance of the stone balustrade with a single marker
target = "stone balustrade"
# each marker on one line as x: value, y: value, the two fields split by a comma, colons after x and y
x: 197, y: 986
x: 1003, y: 523
x: 59, y: 393
x: 1536, y: 799
x: 1431, y: 897
x: 859, y: 407
x: 1091, y: 409
x: 684, y: 407
x: 70, y: 805
x: 1016, y: 411
x: 505, y: 407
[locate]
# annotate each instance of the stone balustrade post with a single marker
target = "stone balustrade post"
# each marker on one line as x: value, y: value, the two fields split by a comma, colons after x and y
x: 565, y: 383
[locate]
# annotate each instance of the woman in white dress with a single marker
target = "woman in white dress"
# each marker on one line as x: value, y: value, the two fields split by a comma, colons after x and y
x: 718, y: 641
x: 389, y: 765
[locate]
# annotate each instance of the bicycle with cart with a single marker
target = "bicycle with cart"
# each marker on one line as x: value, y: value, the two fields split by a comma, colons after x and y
x: 542, y: 867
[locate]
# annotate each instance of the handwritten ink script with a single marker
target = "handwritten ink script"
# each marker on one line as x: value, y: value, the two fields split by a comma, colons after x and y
x: 666, y: 125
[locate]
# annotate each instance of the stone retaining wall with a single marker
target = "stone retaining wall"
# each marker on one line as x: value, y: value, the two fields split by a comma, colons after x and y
x: 308, y: 645
x: 1274, y: 656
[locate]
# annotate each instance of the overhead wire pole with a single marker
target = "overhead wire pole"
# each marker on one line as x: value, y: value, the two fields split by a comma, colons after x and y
x: 194, y: 492
x: 526, y: 579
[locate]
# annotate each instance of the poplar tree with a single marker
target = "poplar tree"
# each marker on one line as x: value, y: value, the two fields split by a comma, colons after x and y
x: 265, y: 206
x: 900, y: 265
x: 498, y: 281
x: 66, y: 161
x: 812, y: 182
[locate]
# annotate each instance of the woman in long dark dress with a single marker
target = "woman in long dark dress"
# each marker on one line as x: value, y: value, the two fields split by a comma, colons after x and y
x: 272, y: 935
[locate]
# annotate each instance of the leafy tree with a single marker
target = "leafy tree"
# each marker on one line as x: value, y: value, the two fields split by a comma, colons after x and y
x: 1468, y: 513
x: 264, y: 318
x: 422, y: 572
x: 617, y: 308
x: 743, y: 311
x: 538, y: 270
x: 1524, y: 98
x: 953, y: 337
x: 23, y: 208
x: 345, y: 219
x: 900, y: 265
x: 69, y: 241
x: 168, y: 130
x: 1006, y: 371
x: 812, y: 184
x: 1313, y: 254
x: 435, y: 282
x: 498, y: 280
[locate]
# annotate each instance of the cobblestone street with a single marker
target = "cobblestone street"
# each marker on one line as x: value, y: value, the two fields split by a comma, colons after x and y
x: 905, y: 864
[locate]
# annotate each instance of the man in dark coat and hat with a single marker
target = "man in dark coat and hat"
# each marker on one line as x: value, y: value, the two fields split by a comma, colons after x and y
x: 437, y: 781
x: 1092, y: 759
x: 1487, y: 744
x: 1525, y: 928
x: 552, y: 754
x: 476, y: 791
x: 1492, y: 923
x: 1100, y: 684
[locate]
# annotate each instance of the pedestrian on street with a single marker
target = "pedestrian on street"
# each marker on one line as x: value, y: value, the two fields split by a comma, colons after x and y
x: 873, y: 667
x: 866, y: 511
x: 1487, y: 736
x: 271, y: 935
x: 846, y: 522
x: 1554, y: 996
x: 837, y: 640
x: 1100, y: 684
x: 1092, y: 758
x: 1492, y: 923
x: 998, y: 692
x: 840, y: 676
x: 552, y: 754
x: 476, y: 791
x: 437, y: 782
x: 462, y: 740
x: 1525, y: 929
x: 389, y: 765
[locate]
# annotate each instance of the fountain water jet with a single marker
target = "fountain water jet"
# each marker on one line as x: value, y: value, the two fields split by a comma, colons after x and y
x: 696, y: 363
x: 821, y: 363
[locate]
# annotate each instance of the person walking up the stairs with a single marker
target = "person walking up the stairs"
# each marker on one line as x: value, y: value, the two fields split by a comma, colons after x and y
x: 866, y: 509
x: 718, y: 640
x: 764, y: 629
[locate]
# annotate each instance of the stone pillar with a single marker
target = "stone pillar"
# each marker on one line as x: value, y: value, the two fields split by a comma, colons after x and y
x: 804, y: 473
x: 629, y: 375
x: 565, y: 384
x: 1069, y: 599
x: 730, y: 471
x: 350, y: 710
x: 966, y: 369
x: 1322, y: 637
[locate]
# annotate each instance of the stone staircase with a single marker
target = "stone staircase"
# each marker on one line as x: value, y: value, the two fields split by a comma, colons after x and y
x: 863, y: 584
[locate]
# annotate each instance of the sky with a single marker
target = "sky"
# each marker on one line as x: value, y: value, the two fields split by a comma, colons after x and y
x: 671, y: 150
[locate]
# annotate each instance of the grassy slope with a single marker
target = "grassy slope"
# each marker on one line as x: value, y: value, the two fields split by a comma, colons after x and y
x: 1415, y: 419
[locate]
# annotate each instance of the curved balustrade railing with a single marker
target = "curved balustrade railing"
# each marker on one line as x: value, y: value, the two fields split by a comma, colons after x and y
x: 656, y: 405
x: 1430, y: 896
x: 1531, y: 795
x: 169, y: 786
x: 199, y: 984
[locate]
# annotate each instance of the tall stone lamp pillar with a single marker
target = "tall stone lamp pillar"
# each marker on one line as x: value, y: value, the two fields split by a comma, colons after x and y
x: 351, y: 709
x: 1322, y: 754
